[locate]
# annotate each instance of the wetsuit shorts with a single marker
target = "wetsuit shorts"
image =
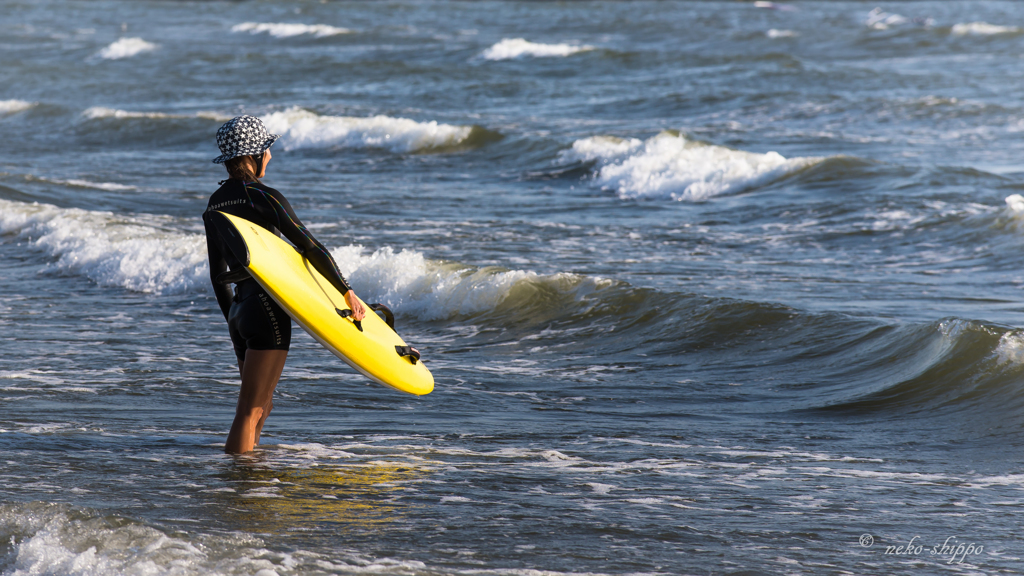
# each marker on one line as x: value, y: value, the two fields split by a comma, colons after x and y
x: 256, y: 322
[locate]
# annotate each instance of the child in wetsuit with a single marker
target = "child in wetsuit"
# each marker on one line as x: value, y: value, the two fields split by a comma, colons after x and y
x: 260, y: 330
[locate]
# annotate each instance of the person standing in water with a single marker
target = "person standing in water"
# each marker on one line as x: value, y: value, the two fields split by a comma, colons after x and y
x: 260, y: 330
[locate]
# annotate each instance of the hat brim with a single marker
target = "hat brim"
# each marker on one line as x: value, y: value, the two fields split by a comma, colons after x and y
x: 266, y: 145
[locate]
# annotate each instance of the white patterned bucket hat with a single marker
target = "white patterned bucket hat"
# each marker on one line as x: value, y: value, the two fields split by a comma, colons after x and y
x: 243, y: 136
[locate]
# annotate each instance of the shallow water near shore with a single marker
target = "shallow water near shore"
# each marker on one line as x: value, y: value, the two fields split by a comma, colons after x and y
x: 706, y: 288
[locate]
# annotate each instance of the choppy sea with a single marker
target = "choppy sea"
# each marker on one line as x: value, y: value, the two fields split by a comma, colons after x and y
x: 717, y: 287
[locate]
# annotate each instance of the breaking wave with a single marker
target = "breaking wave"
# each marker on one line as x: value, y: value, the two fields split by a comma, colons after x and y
x: 982, y: 29
x: 669, y: 166
x: 882, y: 20
x: 109, y: 186
x: 102, y: 112
x: 511, y: 48
x: 12, y: 106
x: 58, y: 539
x: 835, y: 362
x: 952, y: 365
x: 149, y: 253
x: 142, y: 253
x: 287, y: 30
x: 301, y: 128
x: 126, y: 48
x: 430, y: 290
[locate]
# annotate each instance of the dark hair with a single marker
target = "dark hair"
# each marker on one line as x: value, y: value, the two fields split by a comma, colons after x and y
x: 244, y: 168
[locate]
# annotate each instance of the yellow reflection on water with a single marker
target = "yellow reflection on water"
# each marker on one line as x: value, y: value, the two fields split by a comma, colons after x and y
x: 278, y: 500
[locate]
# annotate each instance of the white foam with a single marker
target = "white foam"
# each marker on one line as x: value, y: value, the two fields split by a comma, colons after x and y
x: 52, y: 539
x: 668, y: 166
x: 774, y: 6
x: 408, y: 282
x: 97, y: 185
x: 134, y: 252
x: 126, y: 48
x: 982, y: 29
x: 315, y: 451
x: 1004, y: 480
x: 12, y: 106
x: 56, y: 540
x: 601, y: 489
x: 287, y: 30
x: 511, y: 48
x: 1010, y: 348
x: 56, y: 544
x: 882, y: 20
x: 36, y: 376
x: 774, y: 33
x: 644, y: 500
x: 1014, y: 206
x: 102, y: 112
x: 301, y: 128
x: 267, y: 492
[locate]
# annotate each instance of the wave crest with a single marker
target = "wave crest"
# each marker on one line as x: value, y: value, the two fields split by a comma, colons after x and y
x: 668, y: 166
x: 146, y: 253
x: 139, y: 253
x: 287, y: 30
x: 409, y: 282
x: 109, y: 186
x: 982, y: 29
x: 301, y: 128
x: 12, y: 106
x: 96, y: 112
x: 511, y: 48
x: 126, y: 48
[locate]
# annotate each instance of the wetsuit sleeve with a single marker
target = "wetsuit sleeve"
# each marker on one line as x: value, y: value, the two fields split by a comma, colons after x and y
x: 293, y: 229
x: 218, y: 264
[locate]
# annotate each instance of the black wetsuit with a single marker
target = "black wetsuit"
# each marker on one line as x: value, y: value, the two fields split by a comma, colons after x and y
x: 255, y: 321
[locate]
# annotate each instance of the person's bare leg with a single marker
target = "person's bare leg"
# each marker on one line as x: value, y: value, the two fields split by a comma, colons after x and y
x: 263, y: 418
x: 269, y: 406
x: 260, y: 372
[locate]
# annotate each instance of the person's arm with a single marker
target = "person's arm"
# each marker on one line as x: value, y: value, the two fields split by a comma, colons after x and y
x: 293, y: 229
x: 218, y: 265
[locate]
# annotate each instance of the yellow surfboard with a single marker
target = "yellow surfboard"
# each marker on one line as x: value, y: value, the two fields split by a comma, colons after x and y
x: 372, y: 347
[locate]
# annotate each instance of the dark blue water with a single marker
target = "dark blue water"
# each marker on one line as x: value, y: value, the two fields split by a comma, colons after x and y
x: 706, y: 288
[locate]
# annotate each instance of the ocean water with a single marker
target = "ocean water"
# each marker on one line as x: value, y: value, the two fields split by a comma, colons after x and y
x: 707, y: 288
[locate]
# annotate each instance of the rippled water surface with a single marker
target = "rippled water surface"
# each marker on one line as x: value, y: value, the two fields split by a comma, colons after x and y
x: 706, y: 287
